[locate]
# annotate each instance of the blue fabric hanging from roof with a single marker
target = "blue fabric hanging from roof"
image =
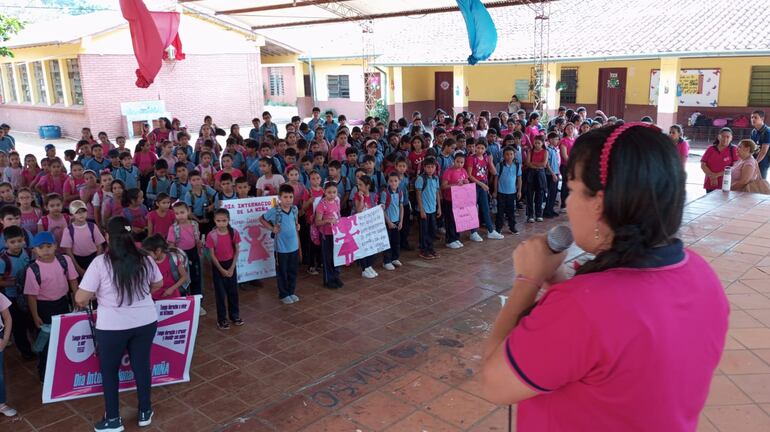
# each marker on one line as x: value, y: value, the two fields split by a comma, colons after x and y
x: 482, y: 34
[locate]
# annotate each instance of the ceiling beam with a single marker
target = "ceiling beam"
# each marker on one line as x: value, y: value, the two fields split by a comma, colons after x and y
x: 281, y: 6
x: 489, y: 5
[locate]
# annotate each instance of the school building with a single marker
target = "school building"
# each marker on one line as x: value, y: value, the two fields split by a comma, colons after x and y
x: 79, y: 71
x: 628, y: 58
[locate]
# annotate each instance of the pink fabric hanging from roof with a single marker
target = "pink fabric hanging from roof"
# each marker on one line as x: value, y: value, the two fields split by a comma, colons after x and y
x: 151, y: 33
x: 168, y: 28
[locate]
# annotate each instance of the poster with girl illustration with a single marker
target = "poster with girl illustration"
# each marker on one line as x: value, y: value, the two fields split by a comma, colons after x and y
x: 359, y: 236
x: 256, y: 259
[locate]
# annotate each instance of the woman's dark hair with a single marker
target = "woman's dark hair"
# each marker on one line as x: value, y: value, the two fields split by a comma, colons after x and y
x: 166, y: 122
x: 129, y: 266
x: 644, y: 196
x: 155, y: 242
x: 494, y: 123
x: 142, y: 142
x: 129, y: 196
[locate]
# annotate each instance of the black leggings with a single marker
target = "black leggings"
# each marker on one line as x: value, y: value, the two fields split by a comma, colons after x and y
x: 195, y: 271
x: 112, y: 344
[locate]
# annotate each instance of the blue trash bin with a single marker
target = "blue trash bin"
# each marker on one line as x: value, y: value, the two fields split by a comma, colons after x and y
x: 49, y: 132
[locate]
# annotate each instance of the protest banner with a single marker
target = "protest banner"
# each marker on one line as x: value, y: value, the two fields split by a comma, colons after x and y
x: 464, y: 208
x: 256, y: 259
x: 359, y: 236
x: 73, y: 369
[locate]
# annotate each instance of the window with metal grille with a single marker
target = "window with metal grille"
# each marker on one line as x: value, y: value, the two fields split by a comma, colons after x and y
x: 55, y: 77
x: 569, y: 78
x: 339, y: 86
x: 275, y: 77
x: 11, y: 83
x: 42, y: 92
x: 73, y: 73
x: 26, y: 95
x: 759, y: 87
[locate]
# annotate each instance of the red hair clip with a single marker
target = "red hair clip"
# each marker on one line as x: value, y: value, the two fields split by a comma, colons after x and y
x: 604, y: 160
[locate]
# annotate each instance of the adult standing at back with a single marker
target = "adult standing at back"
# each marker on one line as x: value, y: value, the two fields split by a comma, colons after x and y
x: 632, y: 341
x: 761, y: 136
x: 121, y: 280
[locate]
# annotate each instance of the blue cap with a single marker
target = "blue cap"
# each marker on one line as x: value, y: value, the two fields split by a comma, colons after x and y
x: 49, y: 147
x: 42, y: 238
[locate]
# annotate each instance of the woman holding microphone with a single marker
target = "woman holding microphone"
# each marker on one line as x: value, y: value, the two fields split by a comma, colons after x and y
x: 632, y: 341
x: 121, y: 280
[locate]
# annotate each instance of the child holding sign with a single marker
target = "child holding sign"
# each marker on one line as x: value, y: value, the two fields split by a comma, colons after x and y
x: 456, y: 175
x: 327, y: 214
x: 284, y: 226
x: 223, y: 243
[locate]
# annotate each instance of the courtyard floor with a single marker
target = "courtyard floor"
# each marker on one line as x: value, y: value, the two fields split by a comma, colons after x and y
x: 401, y: 352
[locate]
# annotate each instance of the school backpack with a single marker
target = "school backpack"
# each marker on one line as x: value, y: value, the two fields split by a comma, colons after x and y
x: 742, y: 121
x: 21, y: 299
x: 178, y: 231
x: 205, y: 194
x: 177, y: 258
x: 35, y: 267
x: 91, y: 227
x: 230, y: 234
x: 46, y: 223
x: 720, y: 122
x: 389, y: 198
x: 701, y: 120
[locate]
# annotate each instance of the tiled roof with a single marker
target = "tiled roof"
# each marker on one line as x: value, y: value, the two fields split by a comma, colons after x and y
x: 578, y: 30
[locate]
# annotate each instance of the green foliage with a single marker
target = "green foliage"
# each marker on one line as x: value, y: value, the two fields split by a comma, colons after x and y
x: 380, y: 110
x: 9, y: 26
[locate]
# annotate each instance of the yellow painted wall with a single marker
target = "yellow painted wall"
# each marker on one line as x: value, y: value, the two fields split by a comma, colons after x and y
x: 350, y: 67
x: 734, y: 79
x: 270, y: 59
x: 419, y: 83
x: 43, y: 53
x: 637, y: 84
x: 495, y: 83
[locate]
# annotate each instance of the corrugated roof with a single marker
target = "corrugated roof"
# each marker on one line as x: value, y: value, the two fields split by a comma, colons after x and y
x: 592, y: 29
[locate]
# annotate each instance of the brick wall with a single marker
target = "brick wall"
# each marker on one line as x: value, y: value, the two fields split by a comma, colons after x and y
x: 28, y: 118
x: 225, y: 86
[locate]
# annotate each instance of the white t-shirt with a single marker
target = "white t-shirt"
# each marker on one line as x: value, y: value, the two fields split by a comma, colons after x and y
x: 112, y: 315
x: 4, y: 304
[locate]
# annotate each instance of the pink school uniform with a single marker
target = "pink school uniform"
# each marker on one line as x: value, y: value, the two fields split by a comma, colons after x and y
x: 160, y: 224
x: 112, y: 315
x: 327, y: 210
x: 623, y: 349
x: 71, y: 187
x: 53, y: 283
x: 222, y: 244
x: 54, y: 226
x: 82, y: 241
x: 30, y: 220
x: 168, y: 279
x: 187, y: 238
x: 50, y: 184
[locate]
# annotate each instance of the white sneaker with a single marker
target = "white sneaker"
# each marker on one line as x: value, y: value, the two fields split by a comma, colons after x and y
x: 461, y: 245
x: 494, y: 235
x: 389, y: 266
x: 287, y: 300
x: 295, y: 298
x: 367, y: 274
x: 453, y: 245
x: 476, y: 237
x: 396, y: 263
x: 531, y: 220
x: 539, y: 219
x: 202, y: 311
x: 373, y: 271
x: 7, y: 411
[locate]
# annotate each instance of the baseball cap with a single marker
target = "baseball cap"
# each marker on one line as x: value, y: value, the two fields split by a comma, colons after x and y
x: 49, y: 147
x: 76, y: 206
x: 42, y: 238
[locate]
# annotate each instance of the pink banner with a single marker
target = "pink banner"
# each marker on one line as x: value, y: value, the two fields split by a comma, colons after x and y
x: 464, y: 208
x: 73, y: 368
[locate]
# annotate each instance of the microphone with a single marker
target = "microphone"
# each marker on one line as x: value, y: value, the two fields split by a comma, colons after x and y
x: 559, y: 238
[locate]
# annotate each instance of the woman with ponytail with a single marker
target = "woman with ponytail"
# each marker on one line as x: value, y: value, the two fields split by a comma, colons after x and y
x: 121, y: 280
x: 631, y: 341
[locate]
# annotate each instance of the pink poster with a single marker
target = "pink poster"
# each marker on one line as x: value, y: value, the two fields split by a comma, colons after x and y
x: 256, y: 259
x: 73, y: 368
x: 464, y: 208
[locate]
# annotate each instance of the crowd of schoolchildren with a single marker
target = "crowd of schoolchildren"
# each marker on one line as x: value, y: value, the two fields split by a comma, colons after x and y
x: 53, y: 211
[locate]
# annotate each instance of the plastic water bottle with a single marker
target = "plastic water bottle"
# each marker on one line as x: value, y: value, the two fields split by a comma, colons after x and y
x: 727, y: 179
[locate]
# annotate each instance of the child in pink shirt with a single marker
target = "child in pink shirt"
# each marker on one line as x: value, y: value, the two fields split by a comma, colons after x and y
x: 82, y: 240
x: 160, y: 220
x: 456, y: 175
x: 223, y: 243
x: 30, y: 216
x: 185, y: 235
x: 55, y: 221
x: 327, y: 214
x: 172, y: 264
x: 73, y: 183
x: 53, y: 182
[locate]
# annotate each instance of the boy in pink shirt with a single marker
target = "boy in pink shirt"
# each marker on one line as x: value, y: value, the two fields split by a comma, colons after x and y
x: 47, y: 283
x: 82, y: 240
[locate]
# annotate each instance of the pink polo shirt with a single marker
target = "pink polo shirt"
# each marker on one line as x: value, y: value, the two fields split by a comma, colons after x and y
x: 83, y: 244
x: 338, y: 153
x: 628, y: 349
x: 452, y: 176
x: 222, y: 244
x: 54, y: 284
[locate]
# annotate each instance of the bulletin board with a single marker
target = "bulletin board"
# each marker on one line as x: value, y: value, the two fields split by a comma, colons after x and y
x: 697, y: 87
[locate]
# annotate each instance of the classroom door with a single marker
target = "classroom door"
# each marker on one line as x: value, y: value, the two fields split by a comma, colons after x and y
x: 444, y: 86
x: 612, y: 91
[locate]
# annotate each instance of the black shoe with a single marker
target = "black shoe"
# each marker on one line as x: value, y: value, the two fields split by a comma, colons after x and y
x: 145, y: 418
x: 549, y: 215
x: 238, y: 322
x: 331, y: 285
x: 339, y: 283
x: 111, y: 425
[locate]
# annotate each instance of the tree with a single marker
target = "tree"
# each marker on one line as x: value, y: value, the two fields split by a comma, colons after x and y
x: 8, y: 27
